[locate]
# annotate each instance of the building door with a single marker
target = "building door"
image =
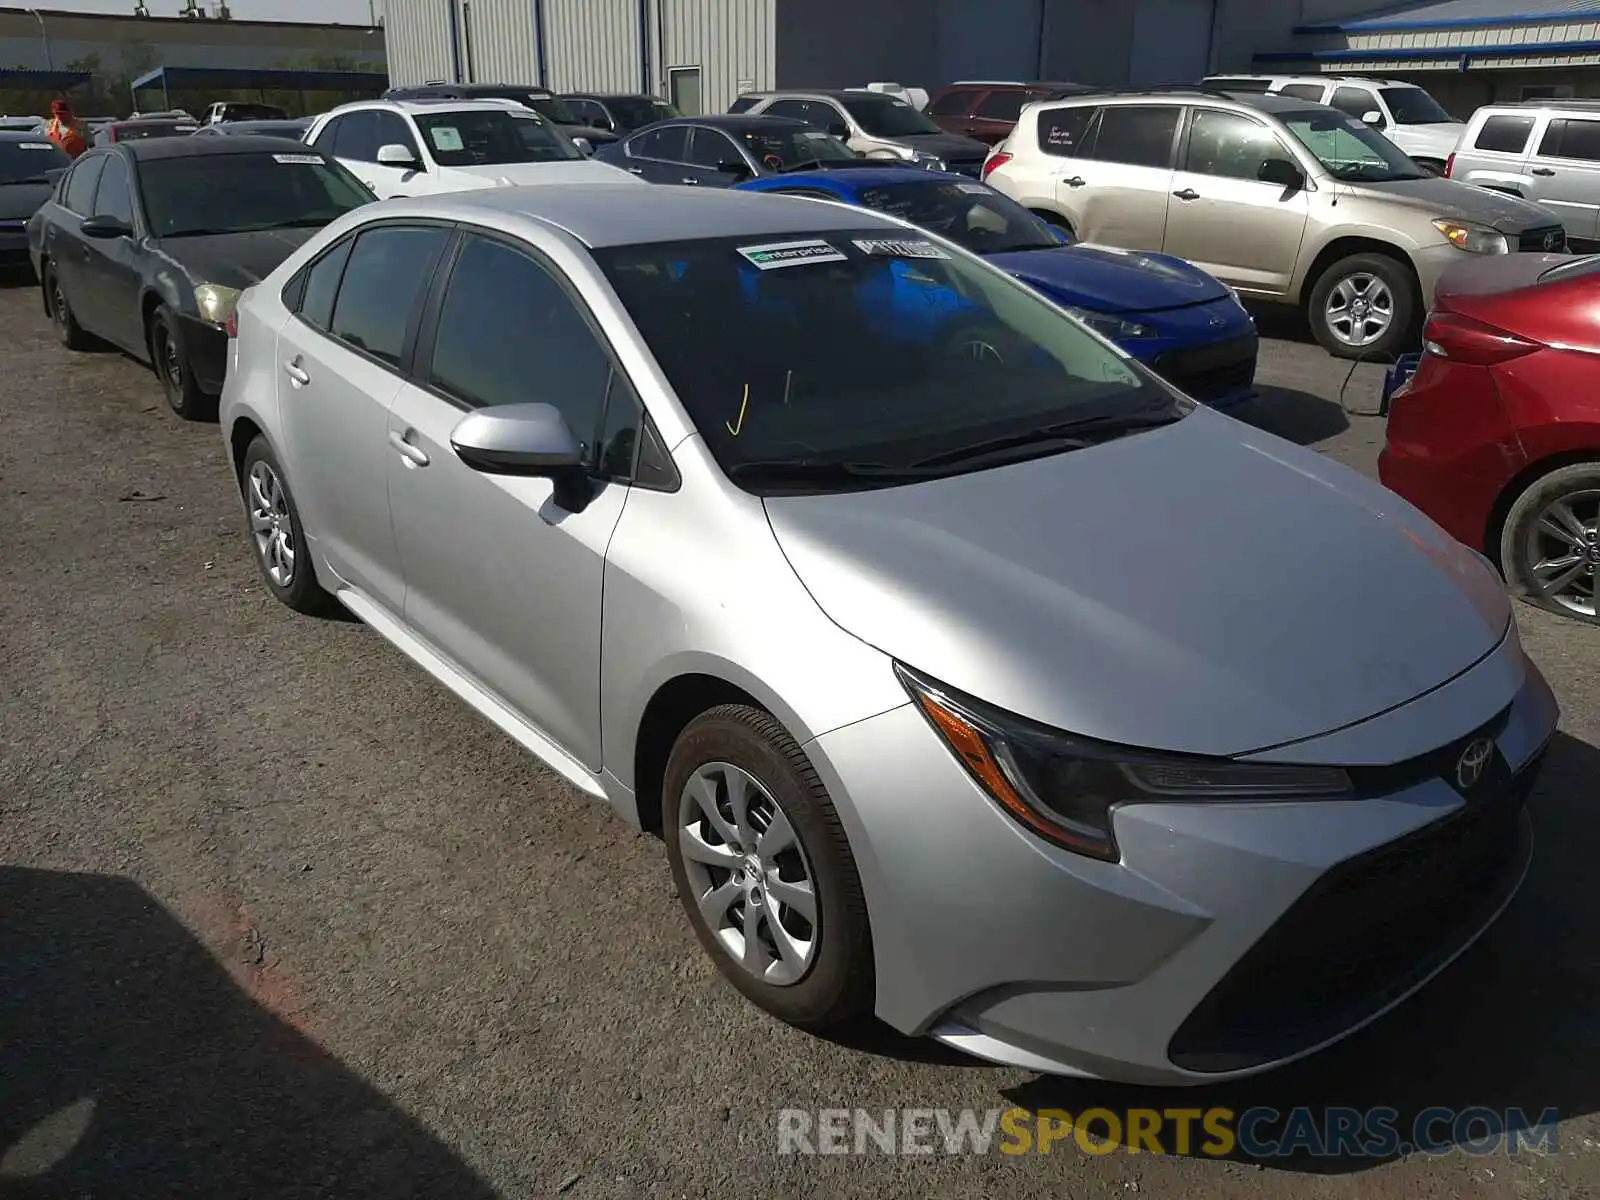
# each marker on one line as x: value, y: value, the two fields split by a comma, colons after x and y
x: 1171, y: 41
x: 683, y: 90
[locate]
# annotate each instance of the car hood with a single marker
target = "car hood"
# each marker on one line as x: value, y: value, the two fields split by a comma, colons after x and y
x: 1110, y: 281
x: 235, y: 260
x: 19, y: 201
x: 1203, y: 587
x: 1438, y: 140
x: 945, y: 145
x: 1447, y: 198
x: 585, y: 170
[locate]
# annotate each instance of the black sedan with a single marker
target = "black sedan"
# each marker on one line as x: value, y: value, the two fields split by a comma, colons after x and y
x: 29, y: 168
x: 147, y: 245
x: 721, y: 151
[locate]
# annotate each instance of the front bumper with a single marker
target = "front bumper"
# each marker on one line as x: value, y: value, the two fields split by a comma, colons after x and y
x: 207, y: 348
x: 1212, y: 949
x: 1207, y: 351
x: 14, y: 241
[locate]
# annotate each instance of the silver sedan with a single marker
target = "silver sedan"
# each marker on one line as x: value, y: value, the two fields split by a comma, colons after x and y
x: 972, y: 676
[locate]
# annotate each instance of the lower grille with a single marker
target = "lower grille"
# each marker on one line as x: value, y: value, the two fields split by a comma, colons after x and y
x: 1361, y: 937
x: 1548, y: 239
x: 1209, y: 372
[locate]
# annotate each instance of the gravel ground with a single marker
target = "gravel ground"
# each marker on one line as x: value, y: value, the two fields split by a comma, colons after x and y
x: 279, y: 916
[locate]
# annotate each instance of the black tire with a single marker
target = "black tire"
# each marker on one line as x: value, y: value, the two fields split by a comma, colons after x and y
x: 71, y: 335
x: 1406, y: 306
x: 1054, y: 218
x: 300, y: 590
x: 1520, y: 540
x: 837, y: 987
x: 170, y: 358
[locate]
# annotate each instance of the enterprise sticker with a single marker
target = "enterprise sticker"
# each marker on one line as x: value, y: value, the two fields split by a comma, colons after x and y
x: 789, y: 254
x: 897, y: 249
x: 309, y: 160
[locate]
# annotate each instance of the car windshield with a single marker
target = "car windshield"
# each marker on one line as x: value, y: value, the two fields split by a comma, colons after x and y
x: 1413, y: 106
x: 886, y: 116
x: 823, y: 362
x: 544, y: 141
x: 243, y: 193
x: 1348, y: 148
x: 553, y: 108
x: 28, y: 162
x: 794, y: 149
x: 635, y: 112
x: 973, y: 215
x: 476, y: 138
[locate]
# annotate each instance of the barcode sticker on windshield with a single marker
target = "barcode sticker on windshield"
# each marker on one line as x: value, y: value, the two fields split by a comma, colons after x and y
x: 309, y: 160
x: 36, y: 145
x: 974, y: 189
x: 789, y: 254
x: 900, y: 249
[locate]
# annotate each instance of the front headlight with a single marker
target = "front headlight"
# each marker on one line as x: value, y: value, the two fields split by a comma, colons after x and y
x: 1110, y: 325
x: 1473, y: 238
x: 216, y: 303
x: 1065, y: 788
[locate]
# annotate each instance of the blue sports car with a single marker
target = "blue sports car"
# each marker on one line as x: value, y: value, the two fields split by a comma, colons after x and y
x: 1168, y: 314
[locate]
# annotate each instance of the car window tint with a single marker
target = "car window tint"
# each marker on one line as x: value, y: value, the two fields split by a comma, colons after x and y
x: 509, y: 333
x: 1000, y: 106
x: 114, y: 198
x: 81, y: 184
x: 1136, y: 135
x: 1505, y: 135
x: 1061, y: 130
x: 710, y: 148
x: 392, y: 130
x: 954, y: 103
x: 358, y: 136
x: 1354, y: 101
x: 328, y: 136
x: 1575, y: 138
x: 668, y: 144
x: 798, y: 110
x: 1302, y: 91
x: 322, y: 284
x: 1230, y: 146
x: 380, y: 288
x: 742, y: 104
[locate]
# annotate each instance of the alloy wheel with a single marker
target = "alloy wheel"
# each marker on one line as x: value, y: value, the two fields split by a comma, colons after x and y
x: 748, y: 872
x: 1561, y: 551
x: 58, y: 303
x: 271, y: 526
x: 1359, y: 309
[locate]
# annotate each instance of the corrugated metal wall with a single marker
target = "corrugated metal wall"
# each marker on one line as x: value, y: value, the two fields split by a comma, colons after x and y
x: 593, y: 45
x: 731, y: 41
x: 500, y: 42
x: 417, y: 38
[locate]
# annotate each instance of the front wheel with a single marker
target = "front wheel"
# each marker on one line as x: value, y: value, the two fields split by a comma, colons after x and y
x: 1365, y: 307
x: 764, y: 870
x: 276, y: 534
x: 1550, y: 543
x: 174, y: 369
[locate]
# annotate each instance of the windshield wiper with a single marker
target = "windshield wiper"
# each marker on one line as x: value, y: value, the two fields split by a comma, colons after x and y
x: 1063, y: 435
x: 825, y: 470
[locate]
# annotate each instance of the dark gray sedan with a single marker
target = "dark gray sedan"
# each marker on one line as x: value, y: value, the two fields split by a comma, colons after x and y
x: 29, y: 167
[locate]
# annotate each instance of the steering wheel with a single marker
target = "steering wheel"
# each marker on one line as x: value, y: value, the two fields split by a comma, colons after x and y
x: 983, y: 346
x: 772, y: 162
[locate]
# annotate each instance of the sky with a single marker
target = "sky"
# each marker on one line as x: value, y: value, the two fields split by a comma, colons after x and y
x: 346, y: 12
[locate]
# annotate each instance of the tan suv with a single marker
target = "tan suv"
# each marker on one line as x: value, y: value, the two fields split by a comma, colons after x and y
x: 1286, y: 200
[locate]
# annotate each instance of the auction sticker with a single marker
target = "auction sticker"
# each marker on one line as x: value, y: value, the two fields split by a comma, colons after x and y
x: 790, y: 254
x: 900, y: 249
x: 309, y: 160
x: 36, y: 145
x: 975, y: 189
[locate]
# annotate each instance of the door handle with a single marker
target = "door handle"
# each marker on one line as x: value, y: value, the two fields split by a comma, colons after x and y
x: 635, y: 170
x: 1187, y: 194
x: 1075, y: 181
x: 415, y: 456
x: 691, y: 182
x: 297, y: 374
x: 1543, y: 171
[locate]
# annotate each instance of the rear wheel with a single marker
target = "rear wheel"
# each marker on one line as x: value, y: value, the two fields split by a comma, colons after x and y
x: 1550, y: 543
x: 68, y: 331
x: 1364, y: 306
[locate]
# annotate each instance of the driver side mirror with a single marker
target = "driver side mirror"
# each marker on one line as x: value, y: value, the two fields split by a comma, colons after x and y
x: 1281, y: 172
x: 734, y: 167
x: 396, y: 155
x: 106, y: 228
x: 840, y: 130
x: 584, y: 145
x: 1373, y: 117
x: 526, y: 440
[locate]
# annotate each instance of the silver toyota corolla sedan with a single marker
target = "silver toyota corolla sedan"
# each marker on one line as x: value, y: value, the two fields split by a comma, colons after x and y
x: 972, y: 676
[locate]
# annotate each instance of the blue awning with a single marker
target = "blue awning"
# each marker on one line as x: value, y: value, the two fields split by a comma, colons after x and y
x: 171, y: 78
x: 1461, y: 14
x: 43, y: 81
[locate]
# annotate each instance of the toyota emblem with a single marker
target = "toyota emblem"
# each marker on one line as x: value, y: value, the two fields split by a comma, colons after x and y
x: 1552, y: 240
x: 1472, y: 763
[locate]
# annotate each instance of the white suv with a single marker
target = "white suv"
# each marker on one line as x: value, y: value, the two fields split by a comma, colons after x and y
x: 419, y: 147
x: 1405, y: 114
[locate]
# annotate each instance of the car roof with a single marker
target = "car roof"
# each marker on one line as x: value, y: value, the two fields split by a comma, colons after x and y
x: 193, y: 147
x: 611, y: 214
x: 427, y: 105
x: 732, y: 122
x: 820, y: 94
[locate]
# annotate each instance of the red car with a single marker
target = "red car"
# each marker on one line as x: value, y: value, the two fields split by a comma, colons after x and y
x: 1497, y: 434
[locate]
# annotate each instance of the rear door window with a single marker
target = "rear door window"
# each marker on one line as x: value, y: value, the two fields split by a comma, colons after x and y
x: 1305, y: 91
x: 381, y: 287
x: 1572, y: 138
x: 1063, y: 131
x: 668, y: 145
x: 1136, y: 135
x: 1504, y: 135
x: 957, y: 102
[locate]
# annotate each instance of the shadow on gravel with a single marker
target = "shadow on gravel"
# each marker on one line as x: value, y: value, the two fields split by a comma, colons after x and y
x: 17, y: 275
x: 1296, y: 415
x: 1510, y: 1025
x: 132, y: 1065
